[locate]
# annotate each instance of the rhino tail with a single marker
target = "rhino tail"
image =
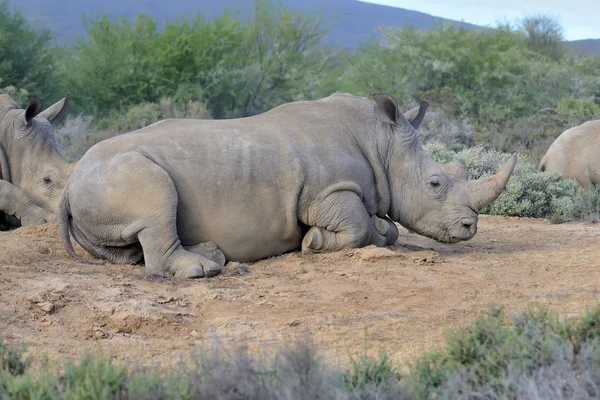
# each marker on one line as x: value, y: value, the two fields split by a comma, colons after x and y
x: 64, y: 219
x: 543, y: 163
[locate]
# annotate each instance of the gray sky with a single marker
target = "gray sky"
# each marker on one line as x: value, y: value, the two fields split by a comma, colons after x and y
x: 580, y: 18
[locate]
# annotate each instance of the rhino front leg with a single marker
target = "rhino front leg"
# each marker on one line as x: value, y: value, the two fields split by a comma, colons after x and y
x: 385, y: 232
x: 339, y: 221
x: 14, y: 201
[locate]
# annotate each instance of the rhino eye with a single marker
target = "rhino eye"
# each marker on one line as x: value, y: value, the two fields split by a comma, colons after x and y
x: 434, y: 184
x: 47, y: 180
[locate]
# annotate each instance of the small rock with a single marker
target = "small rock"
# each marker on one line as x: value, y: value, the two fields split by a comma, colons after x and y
x: 46, y: 307
x: 397, y: 314
x: 194, y: 334
x: 164, y: 300
x: 35, y: 299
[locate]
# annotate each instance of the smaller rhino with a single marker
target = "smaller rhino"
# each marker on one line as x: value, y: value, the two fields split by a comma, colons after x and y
x: 32, y: 172
x: 574, y: 154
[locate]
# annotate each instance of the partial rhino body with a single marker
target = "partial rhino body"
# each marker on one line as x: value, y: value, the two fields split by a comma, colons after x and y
x: 32, y: 171
x: 185, y: 195
x: 574, y: 154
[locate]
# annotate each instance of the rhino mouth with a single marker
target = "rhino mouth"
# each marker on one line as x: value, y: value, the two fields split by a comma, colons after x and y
x: 460, y: 231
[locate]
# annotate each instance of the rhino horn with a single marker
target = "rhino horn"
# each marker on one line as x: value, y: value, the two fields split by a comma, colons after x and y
x: 416, y: 115
x: 483, y: 192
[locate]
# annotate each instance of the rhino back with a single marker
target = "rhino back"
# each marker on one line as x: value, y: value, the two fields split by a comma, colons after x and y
x: 574, y: 153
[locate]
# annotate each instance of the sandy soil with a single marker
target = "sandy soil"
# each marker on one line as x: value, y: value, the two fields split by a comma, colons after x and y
x: 400, y: 299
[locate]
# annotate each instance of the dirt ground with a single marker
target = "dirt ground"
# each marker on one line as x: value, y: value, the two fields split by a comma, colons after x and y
x: 400, y: 299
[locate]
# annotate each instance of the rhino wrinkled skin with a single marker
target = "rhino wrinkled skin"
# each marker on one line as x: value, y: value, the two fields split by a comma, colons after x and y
x: 187, y: 195
x: 32, y: 171
x: 574, y: 154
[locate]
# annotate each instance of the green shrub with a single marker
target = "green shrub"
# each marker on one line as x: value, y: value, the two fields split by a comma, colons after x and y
x: 369, y: 371
x: 497, y: 359
x: 12, y: 359
x: 531, y: 355
x: 577, y: 107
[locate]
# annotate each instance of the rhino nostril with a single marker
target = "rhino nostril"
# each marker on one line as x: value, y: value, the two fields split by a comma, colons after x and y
x: 468, y: 223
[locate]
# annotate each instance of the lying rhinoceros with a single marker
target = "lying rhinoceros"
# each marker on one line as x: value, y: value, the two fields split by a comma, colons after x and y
x: 317, y: 175
x: 574, y: 154
x: 32, y: 172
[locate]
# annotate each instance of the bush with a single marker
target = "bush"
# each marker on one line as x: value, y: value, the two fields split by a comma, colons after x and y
x: 79, y: 133
x: 12, y: 359
x: 529, y: 192
x: 439, y: 127
x: 27, y: 58
x: 531, y: 355
x: 580, y: 108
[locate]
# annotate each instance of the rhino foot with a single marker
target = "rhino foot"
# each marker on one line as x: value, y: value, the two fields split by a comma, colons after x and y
x: 210, y: 251
x: 196, y: 267
x: 313, y: 241
x: 34, y: 218
x: 385, y: 232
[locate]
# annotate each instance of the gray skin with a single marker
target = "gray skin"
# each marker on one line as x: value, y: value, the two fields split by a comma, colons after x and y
x: 324, y: 175
x: 574, y: 154
x: 32, y: 171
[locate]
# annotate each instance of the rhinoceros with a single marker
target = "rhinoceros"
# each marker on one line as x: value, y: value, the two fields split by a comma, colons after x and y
x: 187, y: 195
x: 32, y: 171
x: 574, y: 154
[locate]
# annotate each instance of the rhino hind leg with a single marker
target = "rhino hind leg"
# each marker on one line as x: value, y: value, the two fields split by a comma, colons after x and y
x: 340, y: 221
x: 145, y: 207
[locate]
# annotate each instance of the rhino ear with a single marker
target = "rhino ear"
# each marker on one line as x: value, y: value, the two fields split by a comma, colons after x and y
x: 416, y: 115
x: 386, y: 107
x: 57, y: 110
x: 34, y: 107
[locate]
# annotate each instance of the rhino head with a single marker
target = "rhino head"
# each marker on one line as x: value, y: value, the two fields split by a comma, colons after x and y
x: 431, y: 199
x: 28, y: 147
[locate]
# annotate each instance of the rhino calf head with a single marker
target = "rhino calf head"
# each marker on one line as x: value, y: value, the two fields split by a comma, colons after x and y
x: 28, y: 147
x: 431, y: 199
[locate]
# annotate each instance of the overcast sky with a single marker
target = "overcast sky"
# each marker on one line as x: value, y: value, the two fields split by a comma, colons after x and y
x: 579, y: 18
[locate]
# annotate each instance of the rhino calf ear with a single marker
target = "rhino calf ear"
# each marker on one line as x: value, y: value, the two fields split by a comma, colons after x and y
x: 34, y: 107
x: 386, y: 107
x: 56, y: 111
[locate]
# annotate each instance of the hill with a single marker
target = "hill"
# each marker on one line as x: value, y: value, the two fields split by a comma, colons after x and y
x: 586, y: 45
x: 351, y: 22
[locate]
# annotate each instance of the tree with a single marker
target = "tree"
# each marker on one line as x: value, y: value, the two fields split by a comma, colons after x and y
x: 26, y: 58
x: 544, y: 35
x: 237, y: 67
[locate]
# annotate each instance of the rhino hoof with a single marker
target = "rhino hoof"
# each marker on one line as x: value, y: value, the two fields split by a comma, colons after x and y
x: 211, y: 268
x: 191, y: 273
x: 195, y: 273
x: 208, y: 250
x: 313, y: 241
x: 382, y: 226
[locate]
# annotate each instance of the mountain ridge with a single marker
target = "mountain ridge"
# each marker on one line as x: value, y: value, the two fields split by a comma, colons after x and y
x: 351, y: 22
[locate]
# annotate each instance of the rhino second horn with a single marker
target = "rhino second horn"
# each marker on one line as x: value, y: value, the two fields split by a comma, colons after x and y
x: 484, y: 191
